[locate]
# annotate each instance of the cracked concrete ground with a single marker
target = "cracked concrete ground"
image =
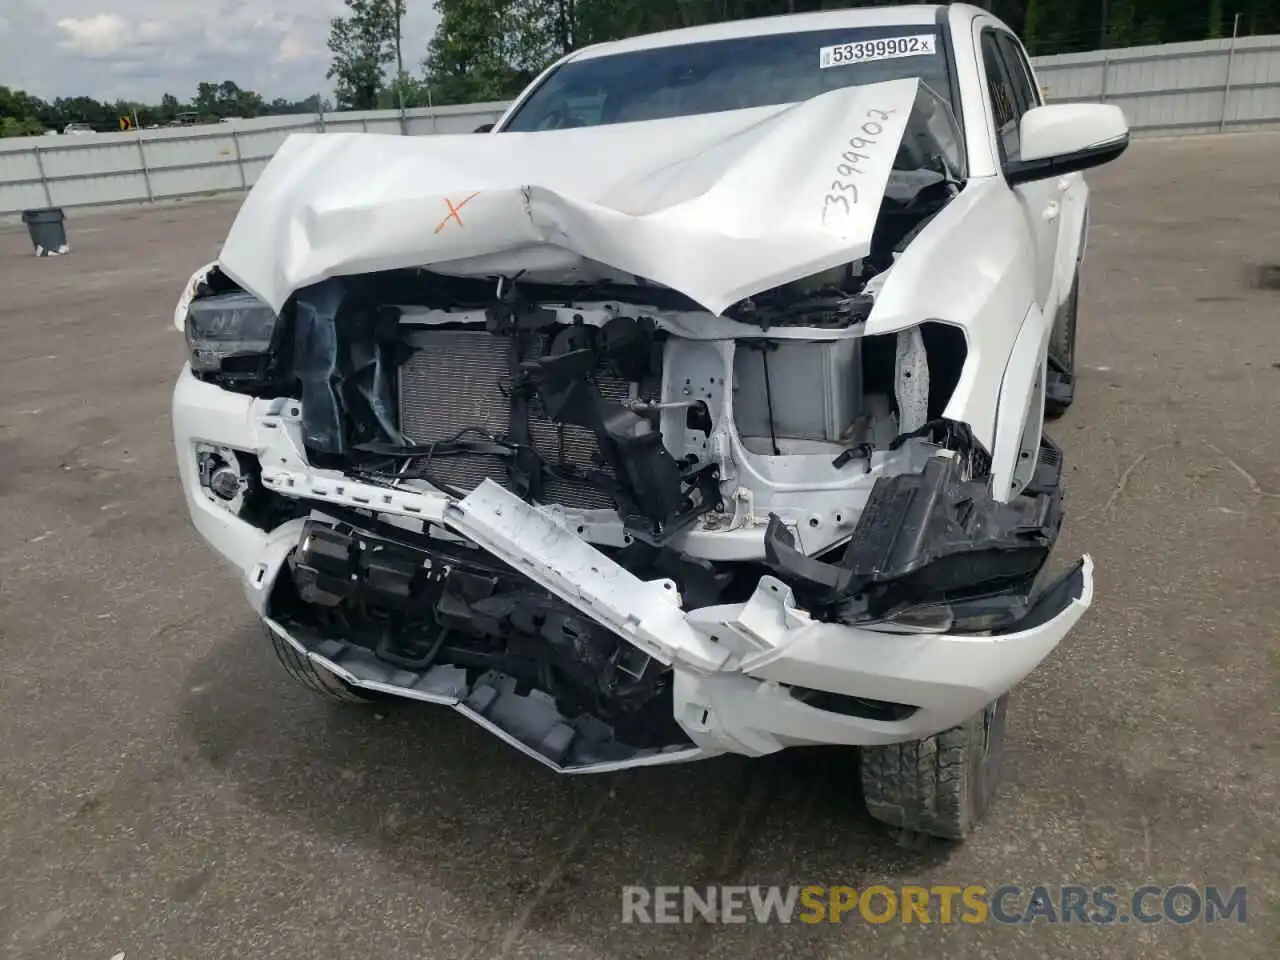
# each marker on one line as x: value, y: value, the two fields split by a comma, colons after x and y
x: 165, y: 791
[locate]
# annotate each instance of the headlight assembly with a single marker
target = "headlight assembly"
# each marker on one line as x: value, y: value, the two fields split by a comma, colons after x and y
x: 234, y: 339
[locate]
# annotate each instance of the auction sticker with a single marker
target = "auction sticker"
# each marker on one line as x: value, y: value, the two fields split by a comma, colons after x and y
x: 886, y: 48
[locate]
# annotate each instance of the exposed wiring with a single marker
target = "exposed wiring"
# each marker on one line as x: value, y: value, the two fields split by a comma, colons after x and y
x: 456, y: 446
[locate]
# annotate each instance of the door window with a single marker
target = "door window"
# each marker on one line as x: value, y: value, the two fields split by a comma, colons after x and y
x: 1009, y: 100
x: 1015, y: 61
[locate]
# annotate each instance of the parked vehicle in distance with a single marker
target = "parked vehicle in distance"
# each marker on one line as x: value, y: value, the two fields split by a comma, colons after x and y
x: 695, y: 408
x: 77, y: 128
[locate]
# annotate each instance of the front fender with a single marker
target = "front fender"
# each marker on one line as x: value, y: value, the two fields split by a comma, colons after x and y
x: 1073, y: 234
x: 974, y: 267
x: 1020, y: 410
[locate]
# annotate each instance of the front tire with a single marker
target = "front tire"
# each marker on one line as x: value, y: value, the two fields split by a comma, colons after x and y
x: 307, y: 674
x: 942, y: 785
x: 1060, y: 383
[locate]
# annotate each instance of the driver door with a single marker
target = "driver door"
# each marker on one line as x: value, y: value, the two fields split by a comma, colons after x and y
x: 1011, y: 94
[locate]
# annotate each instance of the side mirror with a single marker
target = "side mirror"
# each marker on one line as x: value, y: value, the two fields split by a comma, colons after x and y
x: 1062, y: 138
x: 483, y: 128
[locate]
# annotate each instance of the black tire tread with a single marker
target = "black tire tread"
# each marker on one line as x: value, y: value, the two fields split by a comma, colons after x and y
x: 1060, y: 342
x: 308, y: 675
x: 1062, y: 349
x: 920, y: 785
x: 941, y: 785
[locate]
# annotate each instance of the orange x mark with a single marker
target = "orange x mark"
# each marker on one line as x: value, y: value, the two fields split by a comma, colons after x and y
x: 454, y: 212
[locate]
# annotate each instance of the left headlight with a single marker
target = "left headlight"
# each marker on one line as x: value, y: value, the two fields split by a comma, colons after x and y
x: 233, y: 338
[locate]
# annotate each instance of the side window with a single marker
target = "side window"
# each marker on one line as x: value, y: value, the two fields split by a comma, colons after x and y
x: 1005, y: 107
x: 1019, y: 71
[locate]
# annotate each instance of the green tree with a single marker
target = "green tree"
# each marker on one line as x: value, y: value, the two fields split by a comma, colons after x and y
x: 14, y: 104
x: 1031, y: 27
x: 20, y: 127
x: 168, y: 108
x: 225, y: 99
x: 249, y: 104
x: 1215, y: 18
x: 489, y: 49
x: 206, y: 100
x: 363, y: 43
x: 398, y: 23
x: 408, y: 90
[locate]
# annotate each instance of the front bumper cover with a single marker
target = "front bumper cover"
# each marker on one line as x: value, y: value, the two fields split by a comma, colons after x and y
x: 735, y: 667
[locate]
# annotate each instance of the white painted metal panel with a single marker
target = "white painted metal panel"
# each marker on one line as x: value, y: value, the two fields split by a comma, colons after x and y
x: 188, y: 181
x: 109, y: 188
x: 463, y: 123
x: 190, y: 151
x: 18, y: 165
x: 1256, y: 66
x: 22, y: 196
x: 343, y: 123
x: 261, y: 144
x: 1254, y: 106
x: 253, y: 169
x: 1070, y: 82
x: 91, y: 159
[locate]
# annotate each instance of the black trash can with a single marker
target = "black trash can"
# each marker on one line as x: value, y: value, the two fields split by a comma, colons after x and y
x: 48, y: 234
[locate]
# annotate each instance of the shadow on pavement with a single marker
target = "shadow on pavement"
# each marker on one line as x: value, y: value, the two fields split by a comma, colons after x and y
x: 435, y: 797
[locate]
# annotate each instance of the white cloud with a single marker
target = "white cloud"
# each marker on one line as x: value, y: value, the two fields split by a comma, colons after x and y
x: 155, y: 30
x: 140, y: 49
x: 294, y: 48
x: 98, y: 36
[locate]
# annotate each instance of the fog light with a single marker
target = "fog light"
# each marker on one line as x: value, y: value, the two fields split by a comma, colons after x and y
x: 225, y: 483
x: 227, y: 477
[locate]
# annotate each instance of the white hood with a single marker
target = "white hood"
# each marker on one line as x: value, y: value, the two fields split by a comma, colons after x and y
x: 717, y: 206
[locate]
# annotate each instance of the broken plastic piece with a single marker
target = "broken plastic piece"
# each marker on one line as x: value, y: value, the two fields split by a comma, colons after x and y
x: 926, y: 538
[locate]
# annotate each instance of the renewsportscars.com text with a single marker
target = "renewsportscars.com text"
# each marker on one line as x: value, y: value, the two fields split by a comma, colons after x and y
x: 972, y: 904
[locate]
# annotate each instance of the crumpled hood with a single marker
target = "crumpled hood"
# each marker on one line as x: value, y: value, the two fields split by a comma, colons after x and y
x: 716, y: 206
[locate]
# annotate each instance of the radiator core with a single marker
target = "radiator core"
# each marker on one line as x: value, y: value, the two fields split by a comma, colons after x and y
x: 456, y: 380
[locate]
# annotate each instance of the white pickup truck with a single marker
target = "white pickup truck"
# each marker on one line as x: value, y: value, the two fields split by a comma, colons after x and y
x: 695, y: 408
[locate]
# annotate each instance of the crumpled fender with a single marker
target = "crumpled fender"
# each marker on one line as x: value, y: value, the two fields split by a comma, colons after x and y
x: 971, y: 267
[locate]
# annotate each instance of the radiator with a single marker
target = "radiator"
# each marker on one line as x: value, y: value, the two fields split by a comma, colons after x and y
x: 460, y: 379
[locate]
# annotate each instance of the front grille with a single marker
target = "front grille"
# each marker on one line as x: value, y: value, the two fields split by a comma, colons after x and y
x: 459, y: 379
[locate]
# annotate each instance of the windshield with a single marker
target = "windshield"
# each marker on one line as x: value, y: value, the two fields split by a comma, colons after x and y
x: 732, y: 74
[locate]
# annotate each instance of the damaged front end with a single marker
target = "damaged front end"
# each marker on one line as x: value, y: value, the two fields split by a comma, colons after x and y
x: 617, y: 533
x: 616, y: 527
x: 432, y: 615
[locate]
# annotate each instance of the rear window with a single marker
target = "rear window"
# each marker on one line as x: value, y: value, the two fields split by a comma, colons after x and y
x: 731, y: 74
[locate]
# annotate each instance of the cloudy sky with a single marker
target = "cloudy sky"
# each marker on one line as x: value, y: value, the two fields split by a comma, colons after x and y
x: 140, y: 49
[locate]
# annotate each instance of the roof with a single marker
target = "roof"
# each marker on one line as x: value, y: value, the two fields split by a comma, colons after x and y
x: 907, y: 15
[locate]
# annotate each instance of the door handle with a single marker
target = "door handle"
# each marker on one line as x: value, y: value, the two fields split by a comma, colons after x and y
x: 1052, y: 210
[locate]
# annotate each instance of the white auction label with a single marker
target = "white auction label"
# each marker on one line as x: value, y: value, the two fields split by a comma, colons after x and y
x: 886, y: 48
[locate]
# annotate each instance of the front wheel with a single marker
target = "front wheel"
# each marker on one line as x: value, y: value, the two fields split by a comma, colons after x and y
x: 942, y: 785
